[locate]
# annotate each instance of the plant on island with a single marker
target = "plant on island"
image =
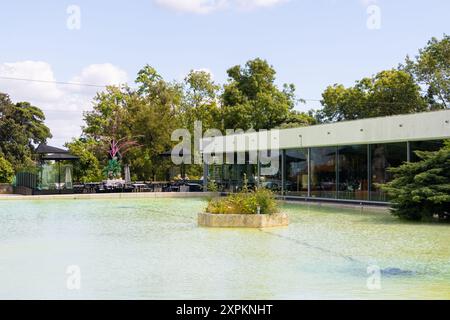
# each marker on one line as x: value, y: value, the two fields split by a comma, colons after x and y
x: 260, y: 201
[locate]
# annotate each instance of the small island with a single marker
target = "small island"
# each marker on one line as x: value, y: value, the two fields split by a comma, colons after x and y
x: 247, y: 209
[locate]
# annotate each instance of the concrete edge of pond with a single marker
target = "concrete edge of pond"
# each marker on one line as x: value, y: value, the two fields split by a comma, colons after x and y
x: 131, y: 195
x: 362, y: 207
x: 242, y: 220
x: 154, y: 195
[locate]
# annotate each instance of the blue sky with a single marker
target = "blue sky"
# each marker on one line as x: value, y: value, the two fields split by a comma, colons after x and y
x: 310, y: 43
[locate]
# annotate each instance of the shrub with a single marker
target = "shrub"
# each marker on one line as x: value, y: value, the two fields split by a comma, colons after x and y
x: 86, y: 168
x: 112, y: 169
x: 244, y: 203
x: 421, y: 190
x: 212, y: 186
x: 6, y: 171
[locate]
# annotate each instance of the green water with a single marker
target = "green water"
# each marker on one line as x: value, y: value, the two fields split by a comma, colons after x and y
x: 153, y: 249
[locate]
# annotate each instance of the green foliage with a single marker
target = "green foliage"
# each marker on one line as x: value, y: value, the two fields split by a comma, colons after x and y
x: 431, y: 69
x: 6, y: 171
x: 252, y: 100
x: 388, y: 93
x: 113, y: 170
x: 200, y: 101
x: 298, y: 119
x: 86, y: 168
x: 149, y: 114
x: 212, y: 186
x: 421, y: 190
x: 244, y: 203
x: 21, y: 126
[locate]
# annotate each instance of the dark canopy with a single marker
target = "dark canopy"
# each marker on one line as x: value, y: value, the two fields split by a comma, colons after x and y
x: 44, y: 149
x: 52, y: 153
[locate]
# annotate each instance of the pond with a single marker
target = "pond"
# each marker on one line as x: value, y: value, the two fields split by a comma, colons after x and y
x: 153, y: 249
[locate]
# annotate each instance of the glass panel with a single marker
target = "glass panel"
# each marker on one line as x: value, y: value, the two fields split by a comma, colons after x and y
x: 272, y: 181
x: 232, y: 177
x: 55, y: 176
x: 353, y: 176
x: 433, y: 145
x: 66, y: 177
x: 385, y: 156
x: 323, y: 172
x: 296, y: 172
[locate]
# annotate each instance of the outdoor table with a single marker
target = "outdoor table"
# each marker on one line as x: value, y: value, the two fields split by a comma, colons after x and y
x: 138, y: 186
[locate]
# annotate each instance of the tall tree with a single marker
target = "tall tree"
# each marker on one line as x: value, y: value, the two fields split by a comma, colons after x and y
x: 200, y: 101
x: 388, y: 93
x: 146, y: 115
x: 431, y: 69
x: 251, y: 98
x: 21, y: 127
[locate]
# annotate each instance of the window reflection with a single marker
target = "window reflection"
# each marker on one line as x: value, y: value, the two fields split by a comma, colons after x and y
x: 385, y: 156
x: 296, y: 172
x: 353, y: 176
x: 353, y: 172
x: 433, y: 145
x: 272, y: 181
x: 323, y: 172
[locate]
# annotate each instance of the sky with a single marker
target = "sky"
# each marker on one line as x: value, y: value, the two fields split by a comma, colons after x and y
x: 310, y: 43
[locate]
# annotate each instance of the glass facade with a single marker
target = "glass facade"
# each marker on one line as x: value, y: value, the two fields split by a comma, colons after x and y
x: 353, y: 176
x: 230, y: 177
x: 273, y: 178
x: 323, y: 165
x: 353, y: 172
x: 434, y: 145
x: 296, y: 172
x: 383, y: 157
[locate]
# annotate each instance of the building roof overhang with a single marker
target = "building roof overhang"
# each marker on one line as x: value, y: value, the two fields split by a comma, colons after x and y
x: 401, y: 128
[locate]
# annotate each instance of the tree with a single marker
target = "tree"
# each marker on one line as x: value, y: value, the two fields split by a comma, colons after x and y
x: 252, y: 100
x: 6, y: 171
x: 200, y: 101
x: 421, y: 190
x: 21, y: 127
x: 388, y: 93
x: 86, y: 168
x: 297, y: 119
x: 144, y: 117
x: 431, y: 69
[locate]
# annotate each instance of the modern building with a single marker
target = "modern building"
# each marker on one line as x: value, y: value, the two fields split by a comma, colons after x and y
x: 343, y: 161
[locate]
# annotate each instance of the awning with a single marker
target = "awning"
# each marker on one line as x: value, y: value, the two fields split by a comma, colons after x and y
x: 52, y: 153
x: 59, y: 157
x: 44, y: 149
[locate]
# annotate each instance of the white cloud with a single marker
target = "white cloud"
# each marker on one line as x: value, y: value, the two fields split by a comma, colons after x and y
x: 30, y: 90
x: 209, y: 6
x: 63, y: 104
x: 367, y: 3
x: 192, y: 6
x: 101, y: 74
x: 252, y: 4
